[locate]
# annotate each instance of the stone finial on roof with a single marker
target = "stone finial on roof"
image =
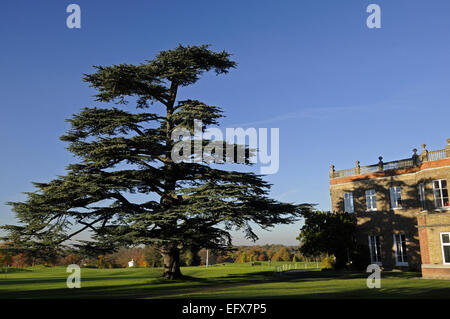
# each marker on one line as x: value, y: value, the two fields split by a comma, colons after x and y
x: 415, y: 157
x: 424, y: 153
x: 380, y: 163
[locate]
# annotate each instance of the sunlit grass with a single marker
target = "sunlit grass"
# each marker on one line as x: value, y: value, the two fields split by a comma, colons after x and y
x: 218, y: 281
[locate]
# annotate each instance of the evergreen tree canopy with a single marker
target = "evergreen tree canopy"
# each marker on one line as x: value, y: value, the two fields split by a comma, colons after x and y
x: 328, y: 233
x: 124, y: 151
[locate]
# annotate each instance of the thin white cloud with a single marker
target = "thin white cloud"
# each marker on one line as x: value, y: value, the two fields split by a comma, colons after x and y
x: 288, y: 193
x: 317, y: 112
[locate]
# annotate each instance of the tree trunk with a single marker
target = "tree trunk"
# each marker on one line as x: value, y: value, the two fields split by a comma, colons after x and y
x: 171, y: 256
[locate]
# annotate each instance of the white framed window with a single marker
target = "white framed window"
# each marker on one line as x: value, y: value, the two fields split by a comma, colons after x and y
x: 375, y: 249
x: 440, y: 194
x: 396, y: 197
x: 445, y: 243
x: 371, y: 199
x: 348, y: 202
x: 400, y: 250
x: 422, y: 196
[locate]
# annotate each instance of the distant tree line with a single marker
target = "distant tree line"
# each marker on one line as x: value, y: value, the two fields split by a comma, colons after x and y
x: 148, y: 256
x: 243, y: 254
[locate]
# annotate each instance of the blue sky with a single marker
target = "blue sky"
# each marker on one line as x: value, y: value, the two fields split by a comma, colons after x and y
x: 338, y: 91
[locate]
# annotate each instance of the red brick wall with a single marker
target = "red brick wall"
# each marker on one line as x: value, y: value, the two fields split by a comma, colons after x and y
x: 436, y: 273
x: 423, y: 239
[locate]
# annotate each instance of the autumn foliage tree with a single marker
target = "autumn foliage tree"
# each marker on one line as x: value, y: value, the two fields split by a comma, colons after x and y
x: 262, y: 257
x: 282, y: 255
x: 20, y: 260
x: 72, y: 259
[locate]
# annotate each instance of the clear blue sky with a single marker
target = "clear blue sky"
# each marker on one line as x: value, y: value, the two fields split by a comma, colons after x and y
x: 338, y: 91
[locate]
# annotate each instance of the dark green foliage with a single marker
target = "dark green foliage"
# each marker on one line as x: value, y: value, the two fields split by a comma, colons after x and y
x: 327, y: 233
x: 360, y: 257
x: 122, y: 153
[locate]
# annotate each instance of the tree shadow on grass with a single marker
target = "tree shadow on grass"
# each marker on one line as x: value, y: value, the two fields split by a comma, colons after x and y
x: 151, y: 287
x: 157, y: 287
x: 348, y: 274
x: 60, y: 279
x: 11, y: 270
x: 401, y: 292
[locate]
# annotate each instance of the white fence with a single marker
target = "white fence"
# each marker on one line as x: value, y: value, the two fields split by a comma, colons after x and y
x: 288, y: 267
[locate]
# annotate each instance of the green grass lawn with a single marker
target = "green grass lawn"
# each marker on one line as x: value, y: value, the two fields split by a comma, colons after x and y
x: 219, y: 281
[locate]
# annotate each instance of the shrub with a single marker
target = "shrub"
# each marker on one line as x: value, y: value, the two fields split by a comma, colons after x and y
x: 327, y: 262
x: 101, y: 263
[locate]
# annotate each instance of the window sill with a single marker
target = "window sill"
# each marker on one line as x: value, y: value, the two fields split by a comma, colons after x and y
x: 371, y: 210
x: 401, y: 264
x: 443, y: 209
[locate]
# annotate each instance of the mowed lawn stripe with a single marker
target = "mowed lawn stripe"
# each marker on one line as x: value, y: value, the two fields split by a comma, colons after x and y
x: 222, y: 281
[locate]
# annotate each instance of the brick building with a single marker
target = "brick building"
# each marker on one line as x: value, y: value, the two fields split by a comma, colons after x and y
x: 402, y: 209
